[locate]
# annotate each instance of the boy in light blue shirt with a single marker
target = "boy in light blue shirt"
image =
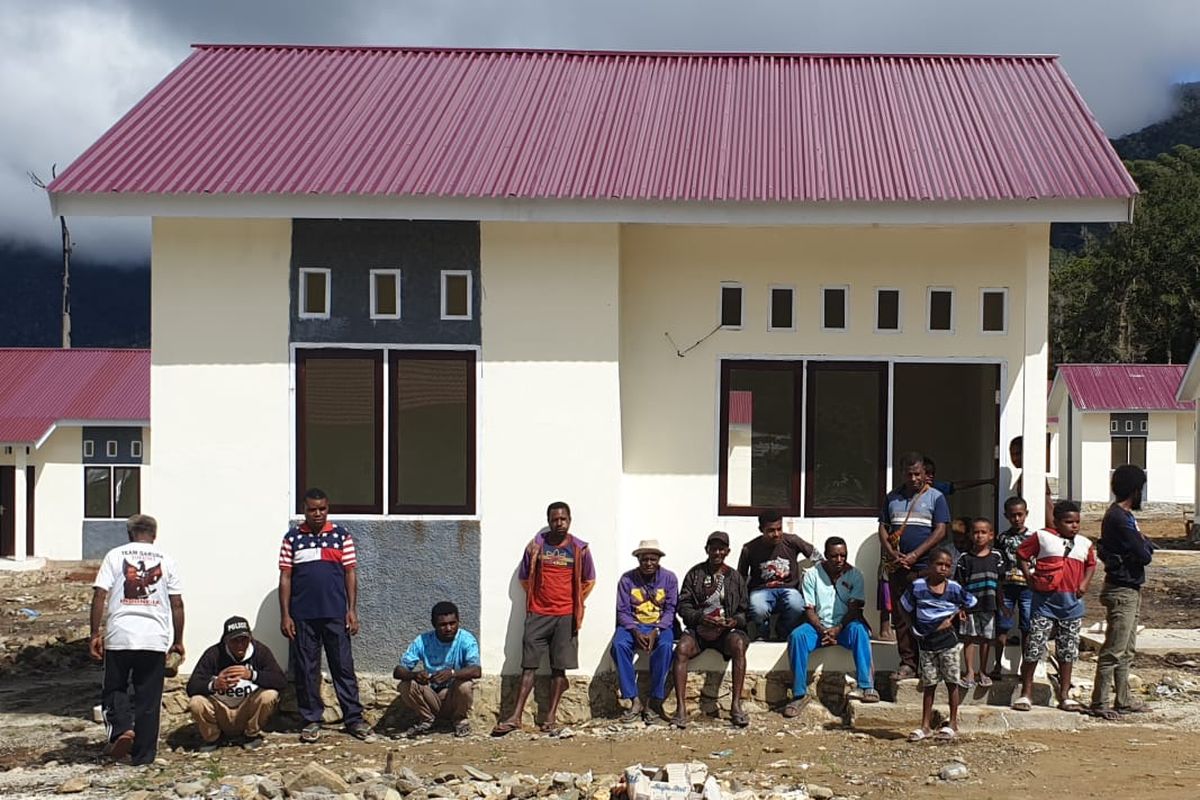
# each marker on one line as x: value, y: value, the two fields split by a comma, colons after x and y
x: 834, y: 596
x: 437, y: 674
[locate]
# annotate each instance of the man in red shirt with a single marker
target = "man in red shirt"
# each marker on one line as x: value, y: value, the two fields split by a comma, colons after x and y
x: 557, y: 574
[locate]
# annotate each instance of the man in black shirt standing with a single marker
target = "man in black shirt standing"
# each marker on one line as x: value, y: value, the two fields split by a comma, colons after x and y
x: 769, y: 563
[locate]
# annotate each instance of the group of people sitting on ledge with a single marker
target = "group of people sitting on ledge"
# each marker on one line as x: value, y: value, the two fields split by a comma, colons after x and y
x: 937, y: 598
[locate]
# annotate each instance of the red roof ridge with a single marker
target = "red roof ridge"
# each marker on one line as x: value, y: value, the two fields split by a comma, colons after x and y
x: 616, y: 53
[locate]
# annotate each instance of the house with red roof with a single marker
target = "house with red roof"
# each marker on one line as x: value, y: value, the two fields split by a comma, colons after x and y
x: 450, y: 286
x: 74, y: 450
x: 1114, y: 414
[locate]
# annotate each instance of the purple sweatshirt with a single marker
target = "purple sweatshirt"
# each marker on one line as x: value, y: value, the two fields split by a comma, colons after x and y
x: 642, y: 602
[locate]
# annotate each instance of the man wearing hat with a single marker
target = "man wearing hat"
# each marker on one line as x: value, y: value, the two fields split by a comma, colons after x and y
x: 234, y: 688
x: 712, y: 604
x: 646, y: 599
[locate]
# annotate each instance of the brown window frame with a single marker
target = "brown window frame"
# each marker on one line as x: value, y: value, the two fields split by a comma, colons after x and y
x: 797, y: 370
x: 324, y: 353
x: 471, y: 358
x: 810, y: 509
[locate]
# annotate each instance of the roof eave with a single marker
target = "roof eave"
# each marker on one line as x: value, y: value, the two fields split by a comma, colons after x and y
x: 1189, y: 385
x: 490, y: 209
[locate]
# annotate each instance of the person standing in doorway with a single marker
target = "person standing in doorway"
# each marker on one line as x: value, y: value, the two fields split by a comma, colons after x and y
x: 136, y: 620
x: 1016, y: 453
x: 318, y: 608
x: 770, y: 565
x: 557, y: 574
x: 1126, y: 553
x: 912, y: 523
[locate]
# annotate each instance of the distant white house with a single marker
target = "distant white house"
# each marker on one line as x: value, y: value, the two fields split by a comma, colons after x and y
x: 1189, y: 392
x: 1113, y: 414
x: 74, y: 449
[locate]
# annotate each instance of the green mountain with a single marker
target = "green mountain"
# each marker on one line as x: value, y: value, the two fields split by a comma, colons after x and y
x: 1183, y: 127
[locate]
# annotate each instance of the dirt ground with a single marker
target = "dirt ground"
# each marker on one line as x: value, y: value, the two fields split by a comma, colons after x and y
x: 48, y: 686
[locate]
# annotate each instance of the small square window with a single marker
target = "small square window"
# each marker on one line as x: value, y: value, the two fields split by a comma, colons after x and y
x: 887, y: 309
x: 941, y: 309
x: 385, y: 294
x: 1143, y: 425
x: 833, y: 308
x: 1129, y: 425
x: 1113, y: 426
x: 783, y: 302
x: 89, y: 448
x: 731, y: 305
x: 110, y: 448
x: 135, y: 449
x: 994, y: 311
x: 314, y: 294
x: 456, y: 294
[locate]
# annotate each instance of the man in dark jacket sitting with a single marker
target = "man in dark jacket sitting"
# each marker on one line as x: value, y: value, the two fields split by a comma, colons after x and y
x: 712, y: 604
x: 235, y: 687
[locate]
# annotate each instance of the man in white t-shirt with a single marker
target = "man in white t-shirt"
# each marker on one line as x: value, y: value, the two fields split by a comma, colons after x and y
x: 137, y: 598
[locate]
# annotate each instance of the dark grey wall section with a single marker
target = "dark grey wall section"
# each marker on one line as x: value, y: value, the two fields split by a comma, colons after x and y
x: 102, y: 535
x: 404, y: 567
x: 350, y: 249
x: 124, y: 437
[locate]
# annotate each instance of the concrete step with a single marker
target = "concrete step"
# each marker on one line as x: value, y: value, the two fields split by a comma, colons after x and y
x: 971, y: 719
x: 1001, y: 693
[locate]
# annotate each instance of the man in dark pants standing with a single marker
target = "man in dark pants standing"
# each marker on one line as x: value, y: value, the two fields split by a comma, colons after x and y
x: 912, y: 523
x: 318, y: 601
x: 137, y: 596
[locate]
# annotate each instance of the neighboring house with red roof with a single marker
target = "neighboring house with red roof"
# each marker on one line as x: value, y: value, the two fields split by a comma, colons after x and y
x: 74, y: 438
x: 674, y: 289
x: 1113, y: 414
x: 1189, y: 392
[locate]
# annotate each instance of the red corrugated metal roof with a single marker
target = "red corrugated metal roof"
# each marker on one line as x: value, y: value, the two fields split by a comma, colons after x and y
x: 295, y: 120
x: 1124, y: 387
x: 40, y: 387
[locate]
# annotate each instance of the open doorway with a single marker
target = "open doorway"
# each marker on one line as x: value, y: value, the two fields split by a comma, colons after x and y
x: 950, y: 412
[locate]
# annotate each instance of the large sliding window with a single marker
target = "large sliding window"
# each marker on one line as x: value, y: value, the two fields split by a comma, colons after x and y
x: 841, y: 456
x: 430, y: 400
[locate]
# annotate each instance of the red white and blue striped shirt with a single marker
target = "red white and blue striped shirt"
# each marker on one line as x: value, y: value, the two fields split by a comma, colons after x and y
x: 318, y: 563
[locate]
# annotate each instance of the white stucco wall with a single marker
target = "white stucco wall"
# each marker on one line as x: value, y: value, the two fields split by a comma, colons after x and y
x: 669, y: 283
x: 1185, y: 457
x: 58, y: 499
x: 1170, y: 459
x: 550, y: 425
x: 221, y: 408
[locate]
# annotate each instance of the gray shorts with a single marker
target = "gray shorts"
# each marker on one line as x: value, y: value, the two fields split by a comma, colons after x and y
x: 555, y: 635
x: 941, y: 666
x: 979, y: 625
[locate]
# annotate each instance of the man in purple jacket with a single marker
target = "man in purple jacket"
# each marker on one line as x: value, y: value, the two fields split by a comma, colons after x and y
x: 646, y: 599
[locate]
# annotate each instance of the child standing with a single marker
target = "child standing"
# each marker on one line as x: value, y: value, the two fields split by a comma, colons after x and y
x: 935, y: 602
x: 979, y: 572
x: 1015, y: 595
x: 1063, y: 566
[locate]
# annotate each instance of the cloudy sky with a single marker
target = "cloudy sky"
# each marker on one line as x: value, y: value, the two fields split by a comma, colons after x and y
x: 70, y: 68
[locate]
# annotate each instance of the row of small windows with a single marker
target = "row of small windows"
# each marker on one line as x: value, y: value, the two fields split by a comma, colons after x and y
x: 835, y: 309
x: 112, y: 449
x: 385, y: 299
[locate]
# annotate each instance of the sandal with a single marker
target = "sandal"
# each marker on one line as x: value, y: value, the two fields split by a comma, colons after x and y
x: 505, y: 728
x: 739, y: 718
x: 985, y: 681
x: 946, y: 734
x: 1022, y: 704
x: 310, y: 732
x: 966, y: 683
x: 1070, y: 704
x: 919, y: 735
x: 869, y: 696
x: 1107, y: 714
x: 905, y: 672
x: 632, y: 713
x: 793, y: 709
x: 360, y: 730
x: 550, y: 728
x: 678, y: 722
x: 1136, y: 708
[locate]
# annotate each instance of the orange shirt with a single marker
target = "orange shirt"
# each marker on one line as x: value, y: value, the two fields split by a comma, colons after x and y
x: 553, y: 595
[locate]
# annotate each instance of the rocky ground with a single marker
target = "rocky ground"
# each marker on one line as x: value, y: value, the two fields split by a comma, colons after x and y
x: 49, y: 743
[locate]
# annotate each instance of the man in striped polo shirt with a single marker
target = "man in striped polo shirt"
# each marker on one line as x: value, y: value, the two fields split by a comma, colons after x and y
x: 318, y: 601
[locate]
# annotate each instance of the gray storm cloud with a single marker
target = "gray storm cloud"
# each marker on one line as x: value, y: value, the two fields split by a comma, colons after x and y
x: 69, y: 69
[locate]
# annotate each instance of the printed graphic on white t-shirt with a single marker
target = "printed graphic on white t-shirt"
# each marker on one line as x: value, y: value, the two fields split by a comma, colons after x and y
x: 139, y: 579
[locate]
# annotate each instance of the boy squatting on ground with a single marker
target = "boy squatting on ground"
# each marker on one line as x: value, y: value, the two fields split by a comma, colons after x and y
x: 1064, y: 566
x: 935, y: 602
x: 979, y: 572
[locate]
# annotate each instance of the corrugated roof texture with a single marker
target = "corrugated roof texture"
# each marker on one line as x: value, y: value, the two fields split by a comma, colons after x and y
x: 39, y: 387
x: 1124, y: 387
x: 250, y: 119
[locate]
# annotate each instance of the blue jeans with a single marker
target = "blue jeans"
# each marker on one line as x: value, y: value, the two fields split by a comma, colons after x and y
x: 623, y: 648
x: 855, y: 637
x: 788, y: 602
x: 1021, y: 598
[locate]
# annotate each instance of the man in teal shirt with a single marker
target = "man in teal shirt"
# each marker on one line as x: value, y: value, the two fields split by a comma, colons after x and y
x: 437, y: 674
x: 834, y: 595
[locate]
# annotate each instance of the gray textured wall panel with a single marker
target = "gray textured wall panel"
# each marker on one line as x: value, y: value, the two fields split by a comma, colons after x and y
x: 102, y: 535
x: 404, y: 567
x: 350, y: 249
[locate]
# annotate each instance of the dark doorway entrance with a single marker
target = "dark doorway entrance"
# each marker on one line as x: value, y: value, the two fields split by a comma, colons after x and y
x: 951, y: 413
x: 8, y: 522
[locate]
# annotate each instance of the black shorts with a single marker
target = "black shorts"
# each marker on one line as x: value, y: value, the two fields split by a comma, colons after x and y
x: 553, y: 634
x: 722, y: 643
